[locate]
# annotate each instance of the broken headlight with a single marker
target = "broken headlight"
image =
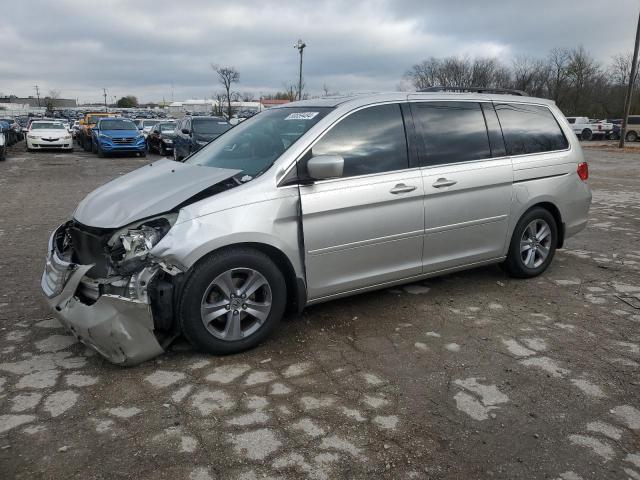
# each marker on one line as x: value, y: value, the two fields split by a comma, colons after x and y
x: 131, y: 245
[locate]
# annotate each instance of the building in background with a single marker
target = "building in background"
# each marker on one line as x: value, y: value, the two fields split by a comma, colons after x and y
x: 33, y: 101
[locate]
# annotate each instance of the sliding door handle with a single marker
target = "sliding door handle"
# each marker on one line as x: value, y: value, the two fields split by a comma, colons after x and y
x: 443, y: 182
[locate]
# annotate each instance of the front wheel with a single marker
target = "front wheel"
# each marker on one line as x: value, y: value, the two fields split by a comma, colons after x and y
x: 631, y: 136
x: 533, y: 244
x: 161, y: 150
x: 586, y: 134
x: 232, y: 301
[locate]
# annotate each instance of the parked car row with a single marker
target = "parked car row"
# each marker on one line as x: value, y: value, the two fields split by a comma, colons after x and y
x: 591, y: 129
x: 11, y: 129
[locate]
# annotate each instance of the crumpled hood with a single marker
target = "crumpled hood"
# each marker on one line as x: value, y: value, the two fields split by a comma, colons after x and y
x: 151, y: 190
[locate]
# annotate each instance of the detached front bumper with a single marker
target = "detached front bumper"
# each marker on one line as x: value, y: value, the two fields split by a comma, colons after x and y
x: 119, y: 328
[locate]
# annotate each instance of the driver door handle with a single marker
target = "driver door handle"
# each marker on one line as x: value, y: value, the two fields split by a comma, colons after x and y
x: 402, y: 188
x: 443, y: 182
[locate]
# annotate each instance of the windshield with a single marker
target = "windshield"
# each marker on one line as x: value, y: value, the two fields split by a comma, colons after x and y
x: 117, y: 125
x: 256, y: 143
x: 208, y: 126
x: 149, y: 123
x: 167, y: 127
x: 47, y: 125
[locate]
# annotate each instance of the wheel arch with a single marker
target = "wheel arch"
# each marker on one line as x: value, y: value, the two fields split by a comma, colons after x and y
x: 557, y: 216
x: 296, y: 285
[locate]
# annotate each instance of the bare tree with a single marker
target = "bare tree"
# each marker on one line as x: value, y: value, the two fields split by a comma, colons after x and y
x: 325, y: 90
x: 50, y: 100
x: 227, y: 76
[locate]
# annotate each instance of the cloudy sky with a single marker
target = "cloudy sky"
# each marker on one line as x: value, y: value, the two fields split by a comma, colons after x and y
x: 144, y: 47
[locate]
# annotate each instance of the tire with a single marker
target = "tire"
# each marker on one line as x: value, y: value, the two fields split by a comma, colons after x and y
x: 519, y: 267
x: 237, y: 264
x: 176, y: 157
x: 94, y: 147
x: 143, y: 154
x: 161, y: 151
x: 99, y: 151
x: 586, y: 134
x: 631, y: 136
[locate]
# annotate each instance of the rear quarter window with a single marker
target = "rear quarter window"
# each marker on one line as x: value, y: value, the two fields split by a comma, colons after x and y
x: 529, y: 129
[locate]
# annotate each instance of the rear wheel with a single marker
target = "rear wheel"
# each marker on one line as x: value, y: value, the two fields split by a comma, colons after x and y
x: 631, y: 136
x: 232, y: 301
x: 586, y: 134
x: 533, y: 244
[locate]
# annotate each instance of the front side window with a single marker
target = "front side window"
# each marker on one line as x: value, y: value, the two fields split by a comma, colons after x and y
x: 451, y: 132
x: 253, y: 145
x: 371, y: 140
x: 529, y: 129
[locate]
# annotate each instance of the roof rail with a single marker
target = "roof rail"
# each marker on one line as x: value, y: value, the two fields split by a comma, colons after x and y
x: 507, y: 91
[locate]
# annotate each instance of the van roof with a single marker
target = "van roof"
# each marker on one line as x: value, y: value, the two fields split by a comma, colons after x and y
x: 356, y: 100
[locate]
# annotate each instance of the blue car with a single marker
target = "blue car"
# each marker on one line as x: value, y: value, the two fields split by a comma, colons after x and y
x: 114, y: 135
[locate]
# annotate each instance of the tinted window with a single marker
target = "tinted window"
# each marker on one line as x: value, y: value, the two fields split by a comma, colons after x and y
x: 496, y: 142
x: 571, y: 120
x: 370, y: 141
x: 633, y: 120
x: 529, y: 129
x: 451, y: 132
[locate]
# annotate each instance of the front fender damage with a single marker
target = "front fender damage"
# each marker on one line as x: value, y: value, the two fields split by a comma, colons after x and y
x: 114, y: 316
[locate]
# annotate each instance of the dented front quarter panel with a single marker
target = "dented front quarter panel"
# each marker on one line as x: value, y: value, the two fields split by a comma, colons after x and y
x: 246, y: 214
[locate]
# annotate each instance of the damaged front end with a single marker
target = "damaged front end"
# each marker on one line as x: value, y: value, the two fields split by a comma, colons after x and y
x: 109, y: 291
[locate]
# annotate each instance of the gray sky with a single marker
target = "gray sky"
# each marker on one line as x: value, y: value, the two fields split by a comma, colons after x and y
x: 141, y: 47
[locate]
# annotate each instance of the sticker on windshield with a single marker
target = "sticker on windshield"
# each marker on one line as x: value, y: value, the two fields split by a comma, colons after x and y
x: 301, y: 116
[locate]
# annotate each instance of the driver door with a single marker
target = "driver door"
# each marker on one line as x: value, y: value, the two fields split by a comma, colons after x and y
x: 366, y: 227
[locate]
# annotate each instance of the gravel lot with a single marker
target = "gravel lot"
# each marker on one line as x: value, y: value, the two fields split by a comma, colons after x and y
x: 471, y: 375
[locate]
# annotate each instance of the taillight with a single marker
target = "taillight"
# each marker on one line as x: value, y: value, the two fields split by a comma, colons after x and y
x: 583, y: 171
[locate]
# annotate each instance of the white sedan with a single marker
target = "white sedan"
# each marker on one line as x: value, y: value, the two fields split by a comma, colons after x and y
x: 48, y: 134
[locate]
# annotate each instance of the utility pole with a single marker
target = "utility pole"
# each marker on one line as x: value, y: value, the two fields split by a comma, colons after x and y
x: 632, y: 78
x: 37, y: 94
x: 104, y: 93
x: 300, y: 46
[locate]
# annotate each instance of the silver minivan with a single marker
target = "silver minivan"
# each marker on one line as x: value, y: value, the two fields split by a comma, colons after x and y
x: 312, y: 201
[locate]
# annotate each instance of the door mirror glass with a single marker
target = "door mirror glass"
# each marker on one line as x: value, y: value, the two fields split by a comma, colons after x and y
x: 186, y: 131
x: 325, y: 166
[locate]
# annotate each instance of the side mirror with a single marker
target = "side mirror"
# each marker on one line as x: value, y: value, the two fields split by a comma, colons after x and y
x: 325, y: 166
x: 186, y: 131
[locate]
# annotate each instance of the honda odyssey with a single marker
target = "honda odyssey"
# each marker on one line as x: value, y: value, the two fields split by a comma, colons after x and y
x: 312, y: 201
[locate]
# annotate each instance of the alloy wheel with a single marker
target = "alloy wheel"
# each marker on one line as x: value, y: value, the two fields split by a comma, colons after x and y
x: 535, y: 243
x: 236, y: 304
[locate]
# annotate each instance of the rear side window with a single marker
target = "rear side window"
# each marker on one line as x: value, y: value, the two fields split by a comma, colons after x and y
x: 634, y: 120
x: 451, y: 132
x: 529, y: 129
x: 371, y: 140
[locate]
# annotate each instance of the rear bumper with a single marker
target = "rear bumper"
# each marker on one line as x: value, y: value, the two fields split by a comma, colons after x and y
x: 119, y: 328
